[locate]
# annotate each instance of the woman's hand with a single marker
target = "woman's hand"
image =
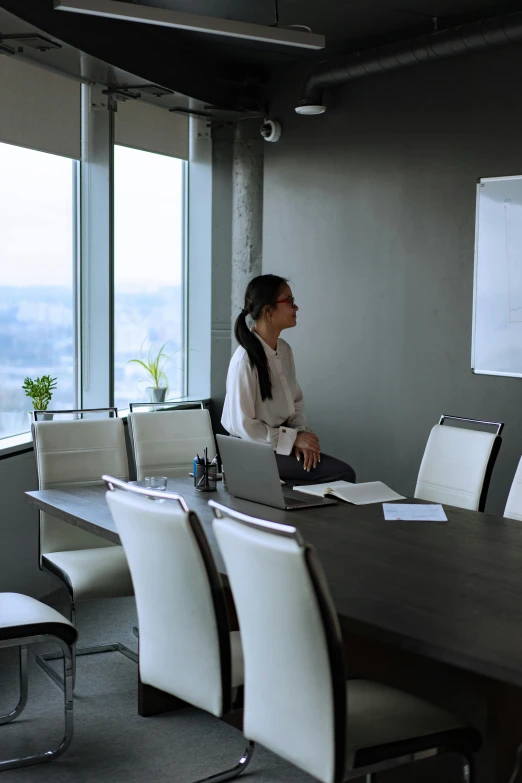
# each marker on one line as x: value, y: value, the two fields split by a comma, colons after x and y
x: 307, y: 441
x: 307, y: 445
x: 310, y: 458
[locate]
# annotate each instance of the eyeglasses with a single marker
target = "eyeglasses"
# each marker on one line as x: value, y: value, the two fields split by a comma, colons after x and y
x: 289, y: 300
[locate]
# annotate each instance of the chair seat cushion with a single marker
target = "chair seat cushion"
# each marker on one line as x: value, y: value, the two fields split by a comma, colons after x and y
x: 385, y: 723
x: 22, y: 616
x: 92, y: 573
x: 238, y: 668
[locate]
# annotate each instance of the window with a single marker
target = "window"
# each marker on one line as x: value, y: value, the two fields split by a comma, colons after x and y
x: 148, y: 270
x: 37, y: 256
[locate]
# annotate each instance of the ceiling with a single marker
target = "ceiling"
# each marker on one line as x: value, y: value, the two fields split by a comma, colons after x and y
x: 90, y: 69
x: 227, y: 73
x: 345, y: 22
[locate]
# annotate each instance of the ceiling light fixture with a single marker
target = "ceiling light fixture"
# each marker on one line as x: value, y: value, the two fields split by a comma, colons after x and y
x: 227, y: 28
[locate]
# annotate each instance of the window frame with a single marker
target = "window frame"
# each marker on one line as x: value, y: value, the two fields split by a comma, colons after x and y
x: 93, y: 281
x: 77, y: 229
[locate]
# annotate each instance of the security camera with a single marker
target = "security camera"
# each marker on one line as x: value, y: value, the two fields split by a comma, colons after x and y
x: 271, y: 130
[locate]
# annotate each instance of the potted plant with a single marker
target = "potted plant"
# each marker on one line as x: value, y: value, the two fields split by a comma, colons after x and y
x: 40, y: 391
x: 154, y: 364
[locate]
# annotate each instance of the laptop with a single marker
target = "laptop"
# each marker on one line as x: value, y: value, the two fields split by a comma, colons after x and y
x: 252, y: 474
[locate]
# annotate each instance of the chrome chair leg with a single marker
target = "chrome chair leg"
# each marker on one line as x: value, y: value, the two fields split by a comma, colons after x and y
x: 468, y: 765
x: 41, y: 660
x: 22, y: 701
x: 72, y: 618
x: 48, y: 755
x: 236, y: 771
x: 468, y: 770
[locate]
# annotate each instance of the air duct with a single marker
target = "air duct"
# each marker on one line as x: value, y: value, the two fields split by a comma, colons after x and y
x: 474, y: 37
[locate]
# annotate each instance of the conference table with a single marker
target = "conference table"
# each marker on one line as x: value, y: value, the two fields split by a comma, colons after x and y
x: 442, y: 601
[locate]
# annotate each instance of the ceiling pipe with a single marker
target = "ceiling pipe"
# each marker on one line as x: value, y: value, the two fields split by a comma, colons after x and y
x: 474, y: 37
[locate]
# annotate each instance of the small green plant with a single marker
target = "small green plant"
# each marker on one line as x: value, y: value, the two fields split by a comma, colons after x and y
x: 40, y: 391
x: 154, y: 365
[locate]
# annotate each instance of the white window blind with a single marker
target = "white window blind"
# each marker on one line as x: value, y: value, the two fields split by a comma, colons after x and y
x: 39, y: 109
x: 152, y: 129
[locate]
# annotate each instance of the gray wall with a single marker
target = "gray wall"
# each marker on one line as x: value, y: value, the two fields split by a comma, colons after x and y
x: 369, y: 210
x: 19, y: 570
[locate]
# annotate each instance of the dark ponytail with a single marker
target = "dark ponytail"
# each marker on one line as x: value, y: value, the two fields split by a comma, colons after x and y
x: 261, y: 291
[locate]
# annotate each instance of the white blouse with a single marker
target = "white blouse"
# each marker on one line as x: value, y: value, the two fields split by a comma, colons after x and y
x: 246, y: 415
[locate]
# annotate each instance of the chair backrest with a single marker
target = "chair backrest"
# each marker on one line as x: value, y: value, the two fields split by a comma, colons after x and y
x: 295, y: 685
x: 513, y: 508
x: 166, y: 442
x: 184, y: 633
x: 71, y: 453
x: 457, y: 465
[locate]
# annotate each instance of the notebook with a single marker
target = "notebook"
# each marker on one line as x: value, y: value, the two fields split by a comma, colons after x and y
x: 358, y: 494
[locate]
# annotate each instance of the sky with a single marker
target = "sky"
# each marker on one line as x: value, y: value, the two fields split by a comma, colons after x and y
x: 148, y: 200
x: 36, y: 204
x: 35, y: 222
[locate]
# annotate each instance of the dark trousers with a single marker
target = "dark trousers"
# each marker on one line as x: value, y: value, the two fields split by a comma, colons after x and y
x: 329, y: 469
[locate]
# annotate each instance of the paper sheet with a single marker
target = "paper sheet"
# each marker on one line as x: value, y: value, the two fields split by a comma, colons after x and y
x: 414, y: 511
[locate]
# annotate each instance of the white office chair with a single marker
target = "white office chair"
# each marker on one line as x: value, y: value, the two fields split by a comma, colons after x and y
x: 186, y: 647
x: 457, y: 464
x: 72, y: 453
x: 298, y: 702
x: 166, y: 442
x: 513, y: 508
x: 24, y: 621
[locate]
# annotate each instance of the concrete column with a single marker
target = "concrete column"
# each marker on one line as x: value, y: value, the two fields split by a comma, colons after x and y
x: 247, y: 210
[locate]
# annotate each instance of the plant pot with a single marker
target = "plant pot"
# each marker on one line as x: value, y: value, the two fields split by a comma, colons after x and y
x: 43, y: 416
x: 157, y: 393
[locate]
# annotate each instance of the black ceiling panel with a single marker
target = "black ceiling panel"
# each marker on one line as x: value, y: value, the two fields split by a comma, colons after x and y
x: 232, y: 73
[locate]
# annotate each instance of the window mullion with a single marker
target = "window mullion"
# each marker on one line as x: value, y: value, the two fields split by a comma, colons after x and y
x: 97, y: 183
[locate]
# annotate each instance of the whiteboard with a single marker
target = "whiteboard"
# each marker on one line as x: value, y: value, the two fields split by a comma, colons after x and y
x: 497, y: 301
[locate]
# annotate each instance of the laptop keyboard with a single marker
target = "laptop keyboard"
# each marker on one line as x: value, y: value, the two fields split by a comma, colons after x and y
x: 292, y: 500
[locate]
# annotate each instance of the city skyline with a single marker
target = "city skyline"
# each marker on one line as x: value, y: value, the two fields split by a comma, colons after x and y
x: 36, y: 338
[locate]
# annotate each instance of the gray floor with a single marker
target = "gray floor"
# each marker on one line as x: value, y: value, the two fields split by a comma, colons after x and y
x: 112, y: 743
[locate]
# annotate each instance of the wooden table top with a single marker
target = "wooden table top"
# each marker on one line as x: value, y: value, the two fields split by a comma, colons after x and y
x: 451, y: 592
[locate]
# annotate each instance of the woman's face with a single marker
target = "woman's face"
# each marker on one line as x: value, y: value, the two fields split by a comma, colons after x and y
x: 284, y: 315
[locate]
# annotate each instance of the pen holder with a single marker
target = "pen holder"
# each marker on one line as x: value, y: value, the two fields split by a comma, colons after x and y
x: 205, y: 478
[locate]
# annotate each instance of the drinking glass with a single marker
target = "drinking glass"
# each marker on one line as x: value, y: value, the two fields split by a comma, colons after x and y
x: 158, y: 483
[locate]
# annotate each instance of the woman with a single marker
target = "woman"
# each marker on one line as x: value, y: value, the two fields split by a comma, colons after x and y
x: 264, y: 402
